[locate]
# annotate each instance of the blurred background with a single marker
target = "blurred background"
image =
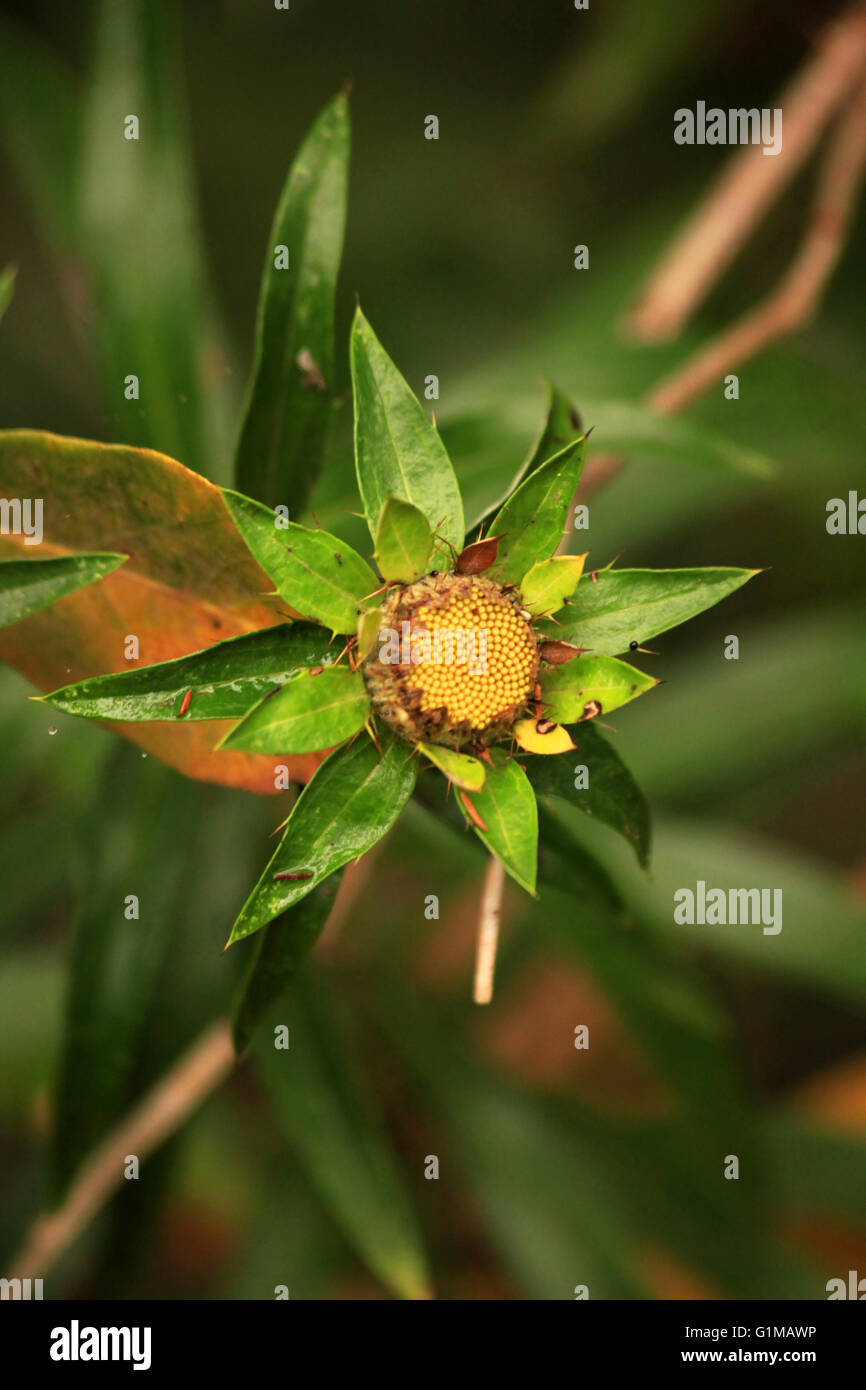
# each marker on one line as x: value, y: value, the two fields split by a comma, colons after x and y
x: 557, y: 1167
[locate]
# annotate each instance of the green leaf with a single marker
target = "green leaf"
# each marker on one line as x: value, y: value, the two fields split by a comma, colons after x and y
x: 801, y: 892
x: 638, y: 431
x: 623, y: 606
x: 226, y: 680
x: 347, y: 806
x: 398, y: 451
x: 28, y: 585
x: 7, y: 286
x: 567, y: 690
x: 506, y: 804
x: 322, y: 1106
x: 403, y: 541
x: 140, y: 834
x: 310, y: 713
x: 138, y: 231
x: 318, y: 574
x: 611, y: 794
x: 276, y: 957
x: 291, y: 390
x: 532, y: 521
x: 566, y: 865
x: 548, y: 584
x: 459, y: 768
x: 562, y: 426
x: 744, y: 733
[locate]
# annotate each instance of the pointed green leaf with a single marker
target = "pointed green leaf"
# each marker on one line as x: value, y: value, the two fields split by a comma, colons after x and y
x: 623, y: 606
x: 548, y: 584
x: 226, y: 680
x: 459, y: 768
x: 533, y: 520
x: 571, y: 692
x: 562, y: 425
x: 403, y: 541
x: 28, y: 585
x: 506, y: 804
x: 369, y: 624
x: 594, y: 778
x: 152, y: 313
x: 310, y: 713
x: 7, y: 285
x: 324, y: 1108
x: 277, y: 955
x: 398, y: 451
x: 291, y: 391
x: 345, y: 808
x: 319, y: 575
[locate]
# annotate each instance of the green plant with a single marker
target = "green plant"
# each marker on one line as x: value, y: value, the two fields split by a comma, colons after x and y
x: 365, y: 673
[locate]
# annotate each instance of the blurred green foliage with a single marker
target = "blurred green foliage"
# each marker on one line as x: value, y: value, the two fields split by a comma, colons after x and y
x: 556, y: 1167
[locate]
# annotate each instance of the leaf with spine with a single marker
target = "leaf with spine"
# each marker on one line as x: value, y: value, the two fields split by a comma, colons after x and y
x: 567, y: 690
x: 506, y: 804
x: 562, y: 426
x: 276, y: 957
x: 311, y: 713
x: 7, y: 286
x: 351, y: 802
x: 459, y: 768
x: 227, y: 680
x: 152, y: 312
x: 189, y: 578
x: 404, y: 541
x: 532, y: 521
x: 611, y: 794
x: 398, y: 451
x: 319, y: 575
x: 28, y: 585
x: 322, y: 1105
x: 291, y: 390
x: 545, y: 588
x: 624, y: 606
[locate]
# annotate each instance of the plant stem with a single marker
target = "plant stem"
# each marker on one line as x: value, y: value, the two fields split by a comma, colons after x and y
x: 198, y: 1072
x: 488, y: 931
x: 750, y: 182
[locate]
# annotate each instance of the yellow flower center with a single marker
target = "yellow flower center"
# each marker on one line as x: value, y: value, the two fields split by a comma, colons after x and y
x: 455, y: 658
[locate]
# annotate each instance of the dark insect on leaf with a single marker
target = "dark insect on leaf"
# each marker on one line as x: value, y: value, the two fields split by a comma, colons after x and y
x: 590, y: 710
x: 479, y: 556
x: 292, y: 878
x: 556, y: 653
